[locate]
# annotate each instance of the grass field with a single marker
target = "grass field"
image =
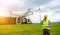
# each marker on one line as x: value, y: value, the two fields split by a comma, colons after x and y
x: 27, y: 29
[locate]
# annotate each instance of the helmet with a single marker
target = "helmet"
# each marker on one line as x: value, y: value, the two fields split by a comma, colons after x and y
x: 45, y: 15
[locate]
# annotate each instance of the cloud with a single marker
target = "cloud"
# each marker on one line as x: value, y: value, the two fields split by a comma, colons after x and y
x: 53, y: 5
x: 38, y: 2
x: 13, y: 4
x: 52, y: 9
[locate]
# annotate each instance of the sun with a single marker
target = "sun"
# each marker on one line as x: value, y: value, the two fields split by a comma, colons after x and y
x: 3, y: 12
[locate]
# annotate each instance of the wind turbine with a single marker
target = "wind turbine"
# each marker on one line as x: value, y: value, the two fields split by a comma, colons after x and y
x: 27, y: 14
x: 38, y: 10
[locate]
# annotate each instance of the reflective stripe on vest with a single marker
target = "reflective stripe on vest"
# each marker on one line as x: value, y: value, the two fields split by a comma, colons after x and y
x: 46, y: 24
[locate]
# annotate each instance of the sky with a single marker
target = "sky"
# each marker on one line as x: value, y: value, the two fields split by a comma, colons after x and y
x: 49, y: 7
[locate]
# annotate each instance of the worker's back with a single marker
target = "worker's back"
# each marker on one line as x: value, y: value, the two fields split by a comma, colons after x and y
x: 46, y: 24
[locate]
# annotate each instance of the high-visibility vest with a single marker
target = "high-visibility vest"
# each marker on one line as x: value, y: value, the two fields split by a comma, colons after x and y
x: 46, y: 24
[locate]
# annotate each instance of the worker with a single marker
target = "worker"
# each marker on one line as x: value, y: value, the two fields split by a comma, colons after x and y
x: 46, y: 25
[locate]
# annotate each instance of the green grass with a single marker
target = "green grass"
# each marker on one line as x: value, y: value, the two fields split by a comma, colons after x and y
x: 27, y: 29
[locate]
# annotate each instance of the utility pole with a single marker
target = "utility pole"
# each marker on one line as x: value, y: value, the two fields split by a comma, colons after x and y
x: 39, y: 13
x: 10, y: 16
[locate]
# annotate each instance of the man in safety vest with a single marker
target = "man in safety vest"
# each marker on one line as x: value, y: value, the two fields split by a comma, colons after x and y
x: 46, y: 25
